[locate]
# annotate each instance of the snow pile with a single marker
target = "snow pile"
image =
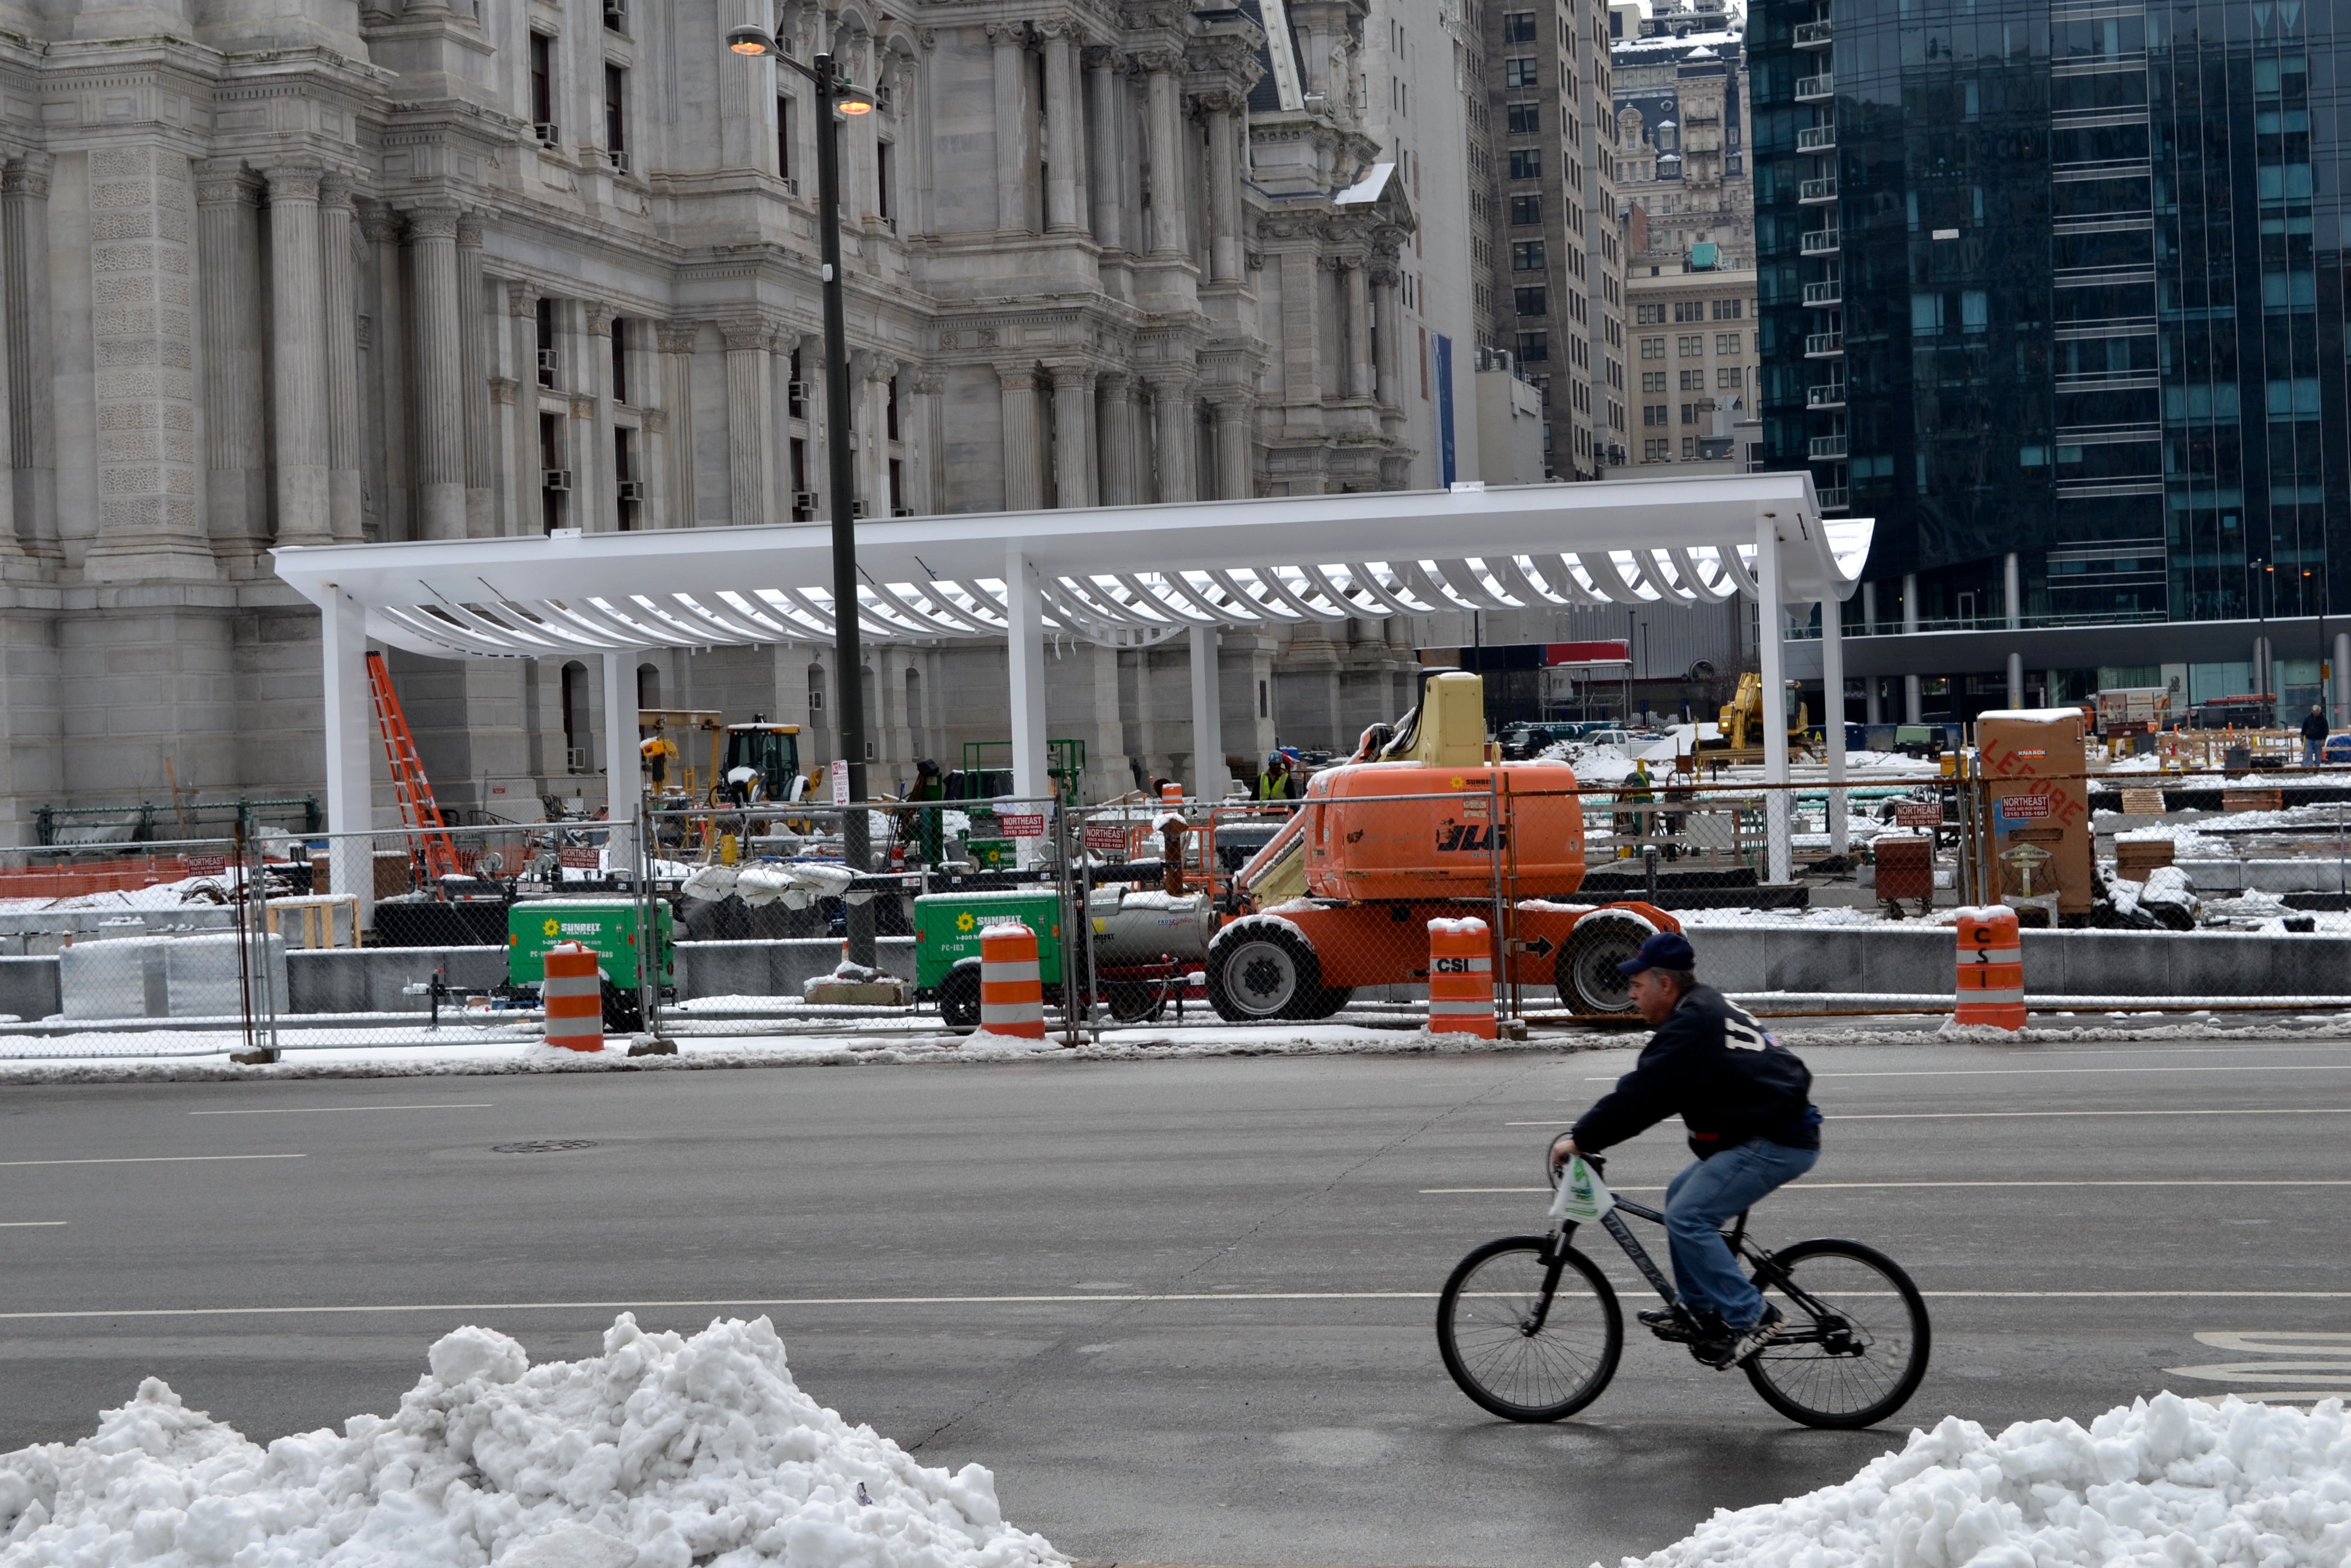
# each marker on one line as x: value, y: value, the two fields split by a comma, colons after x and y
x: 2163, y: 1481
x: 660, y: 1453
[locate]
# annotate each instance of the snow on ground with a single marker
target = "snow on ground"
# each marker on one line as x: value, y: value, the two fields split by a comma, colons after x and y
x: 2163, y: 1484
x: 662, y: 1452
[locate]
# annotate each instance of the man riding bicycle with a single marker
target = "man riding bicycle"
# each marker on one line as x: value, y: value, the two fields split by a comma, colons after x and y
x: 1743, y: 1096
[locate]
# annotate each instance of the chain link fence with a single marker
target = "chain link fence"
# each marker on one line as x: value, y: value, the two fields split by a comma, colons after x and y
x: 740, y: 922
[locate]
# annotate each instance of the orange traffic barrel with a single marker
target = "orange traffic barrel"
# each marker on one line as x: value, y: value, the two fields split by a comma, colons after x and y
x: 1991, y: 969
x: 1460, y: 978
x: 1011, y: 991
x: 1171, y: 795
x: 573, y: 997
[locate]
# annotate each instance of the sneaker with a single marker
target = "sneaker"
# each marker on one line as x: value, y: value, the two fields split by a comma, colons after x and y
x: 1743, y: 1346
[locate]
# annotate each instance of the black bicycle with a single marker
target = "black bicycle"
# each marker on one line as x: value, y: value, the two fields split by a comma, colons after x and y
x: 1529, y: 1327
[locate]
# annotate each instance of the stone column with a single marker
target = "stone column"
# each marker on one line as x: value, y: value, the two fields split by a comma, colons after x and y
x: 1062, y: 129
x: 1359, y: 323
x: 1234, y: 411
x: 1024, y: 477
x: 1073, y: 435
x: 598, y: 475
x: 1115, y: 449
x: 384, y: 425
x: 523, y: 515
x: 677, y: 435
x: 440, y: 397
x: 1169, y: 235
x: 1171, y: 409
x: 228, y: 268
x: 748, y: 421
x: 1386, y: 336
x: 472, y: 372
x: 32, y: 410
x: 1015, y: 129
x: 1224, y: 188
x: 1106, y: 132
x: 923, y: 456
x: 298, y: 357
x: 340, y: 304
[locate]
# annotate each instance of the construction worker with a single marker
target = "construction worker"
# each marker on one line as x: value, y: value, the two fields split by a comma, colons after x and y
x: 928, y: 825
x: 658, y: 752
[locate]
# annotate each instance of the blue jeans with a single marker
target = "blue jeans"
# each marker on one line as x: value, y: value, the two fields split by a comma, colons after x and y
x: 1704, y: 1198
x: 2311, y: 752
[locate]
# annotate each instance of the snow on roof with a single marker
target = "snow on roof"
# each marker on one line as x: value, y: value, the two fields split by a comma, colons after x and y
x: 1366, y: 189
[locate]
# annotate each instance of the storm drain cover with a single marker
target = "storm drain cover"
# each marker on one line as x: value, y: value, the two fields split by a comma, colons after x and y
x: 543, y: 1146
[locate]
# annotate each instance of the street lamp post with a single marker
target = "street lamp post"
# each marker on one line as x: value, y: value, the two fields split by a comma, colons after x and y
x: 833, y: 95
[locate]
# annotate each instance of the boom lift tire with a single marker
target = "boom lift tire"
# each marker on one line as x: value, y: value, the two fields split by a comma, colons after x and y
x: 1262, y: 970
x: 959, y: 997
x: 1585, y: 970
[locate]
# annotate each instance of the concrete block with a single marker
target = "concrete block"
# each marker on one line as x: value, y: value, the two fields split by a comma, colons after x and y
x: 28, y: 987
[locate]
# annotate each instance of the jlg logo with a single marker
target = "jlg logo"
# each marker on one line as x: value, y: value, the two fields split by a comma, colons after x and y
x: 1469, y: 838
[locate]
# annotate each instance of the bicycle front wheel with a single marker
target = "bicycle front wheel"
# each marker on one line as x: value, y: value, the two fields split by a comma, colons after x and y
x: 1855, y: 1340
x: 1529, y: 1337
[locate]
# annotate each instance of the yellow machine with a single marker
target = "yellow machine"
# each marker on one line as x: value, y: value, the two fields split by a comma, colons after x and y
x: 659, y: 720
x: 1742, y: 720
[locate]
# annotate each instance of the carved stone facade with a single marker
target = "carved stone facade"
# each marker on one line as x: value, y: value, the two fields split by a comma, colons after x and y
x: 350, y: 271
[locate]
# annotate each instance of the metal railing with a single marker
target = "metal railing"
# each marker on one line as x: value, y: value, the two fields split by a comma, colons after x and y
x: 1817, y: 138
x: 1819, y: 242
x: 1812, y: 89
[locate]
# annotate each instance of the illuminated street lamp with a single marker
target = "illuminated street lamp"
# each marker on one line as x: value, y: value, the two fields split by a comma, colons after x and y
x: 836, y: 94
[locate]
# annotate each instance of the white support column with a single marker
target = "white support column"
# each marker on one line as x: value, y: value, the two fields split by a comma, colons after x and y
x: 350, y: 724
x: 1025, y: 655
x: 1914, y: 698
x: 2342, y: 679
x: 622, y: 785
x: 1833, y: 725
x: 1771, y: 629
x: 2012, y: 582
x: 1208, y: 773
x: 2016, y: 680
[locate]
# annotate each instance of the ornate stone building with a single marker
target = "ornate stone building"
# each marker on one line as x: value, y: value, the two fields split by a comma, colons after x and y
x: 332, y: 271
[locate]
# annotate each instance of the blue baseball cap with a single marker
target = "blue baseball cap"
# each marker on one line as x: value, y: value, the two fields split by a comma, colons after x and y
x: 1666, y: 950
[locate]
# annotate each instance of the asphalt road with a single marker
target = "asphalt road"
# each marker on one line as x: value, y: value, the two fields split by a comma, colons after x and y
x: 949, y: 1244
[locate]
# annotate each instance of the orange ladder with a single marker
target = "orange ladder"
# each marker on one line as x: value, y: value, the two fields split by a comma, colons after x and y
x: 434, y: 852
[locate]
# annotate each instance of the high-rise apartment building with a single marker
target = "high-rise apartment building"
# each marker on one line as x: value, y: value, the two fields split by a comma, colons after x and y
x: 1559, y: 251
x: 2054, y: 291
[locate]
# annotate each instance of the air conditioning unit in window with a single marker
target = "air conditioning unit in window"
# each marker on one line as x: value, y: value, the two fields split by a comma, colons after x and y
x: 555, y: 478
x: 619, y: 159
x: 550, y: 360
x: 857, y: 508
x: 549, y: 136
x: 616, y: 16
x: 901, y: 511
x: 804, y: 500
x: 798, y: 391
x: 630, y: 490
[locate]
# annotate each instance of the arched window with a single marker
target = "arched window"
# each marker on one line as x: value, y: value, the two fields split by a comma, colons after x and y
x: 915, y: 710
x: 649, y: 692
x: 577, y: 739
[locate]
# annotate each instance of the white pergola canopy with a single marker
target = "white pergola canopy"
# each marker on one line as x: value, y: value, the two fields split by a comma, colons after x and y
x: 1123, y: 575
x: 1120, y: 574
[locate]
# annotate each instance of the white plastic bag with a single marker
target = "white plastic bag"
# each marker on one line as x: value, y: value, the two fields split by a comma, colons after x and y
x: 1582, y: 1197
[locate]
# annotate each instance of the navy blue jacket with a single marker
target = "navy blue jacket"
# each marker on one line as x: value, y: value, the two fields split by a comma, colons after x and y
x: 1716, y: 1067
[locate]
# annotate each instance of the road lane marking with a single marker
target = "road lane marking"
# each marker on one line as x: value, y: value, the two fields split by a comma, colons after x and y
x: 31, y: 1224
x: 1994, y: 1115
x: 153, y: 1160
x: 1801, y: 1185
x: 1137, y: 1298
x: 314, y: 1110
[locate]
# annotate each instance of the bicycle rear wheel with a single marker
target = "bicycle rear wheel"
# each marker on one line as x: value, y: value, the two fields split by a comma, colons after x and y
x: 1522, y: 1357
x: 1854, y: 1343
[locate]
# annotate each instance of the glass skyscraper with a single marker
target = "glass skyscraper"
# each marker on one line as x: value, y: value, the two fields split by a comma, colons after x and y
x: 2058, y: 286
